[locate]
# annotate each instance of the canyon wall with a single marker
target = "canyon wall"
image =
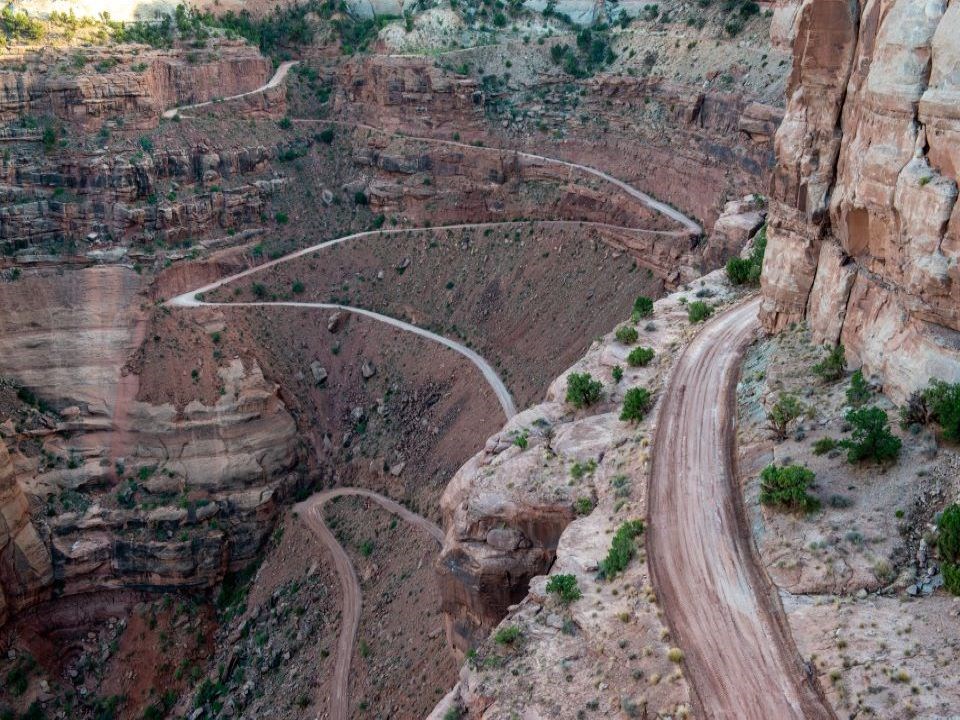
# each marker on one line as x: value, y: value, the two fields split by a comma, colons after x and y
x: 137, y: 87
x: 864, y: 231
x: 110, y: 488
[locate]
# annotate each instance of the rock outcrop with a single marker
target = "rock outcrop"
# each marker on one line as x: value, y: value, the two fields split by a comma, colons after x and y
x: 864, y: 223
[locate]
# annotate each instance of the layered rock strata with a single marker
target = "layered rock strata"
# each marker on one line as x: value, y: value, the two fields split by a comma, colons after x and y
x: 865, y: 227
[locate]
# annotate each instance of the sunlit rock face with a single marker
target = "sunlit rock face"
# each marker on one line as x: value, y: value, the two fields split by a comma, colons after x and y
x: 865, y: 231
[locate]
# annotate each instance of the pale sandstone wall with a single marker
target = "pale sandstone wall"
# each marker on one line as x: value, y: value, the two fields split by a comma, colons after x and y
x: 865, y: 230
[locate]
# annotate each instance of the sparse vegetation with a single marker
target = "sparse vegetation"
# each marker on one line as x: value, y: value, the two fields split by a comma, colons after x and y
x: 698, y: 311
x: 507, y: 635
x: 825, y: 445
x: 627, y: 334
x: 786, y: 488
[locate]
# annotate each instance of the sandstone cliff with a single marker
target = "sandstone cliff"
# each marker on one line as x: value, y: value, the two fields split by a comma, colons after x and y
x: 864, y: 224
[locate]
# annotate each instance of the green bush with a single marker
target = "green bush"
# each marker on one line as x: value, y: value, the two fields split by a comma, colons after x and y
x: 297, y: 287
x: 282, y: 218
x: 507, y: 635
x: 831, y: 368
x: 948, y: 538
x: 326, y: 136
x: 859, y: 391
x: 622, y: 548
x: 784, y: 411
x: 786, y: 487
x: 617, y: 373
x: 360, y: 198
x: 944, y: 402
x: 627, y: 334
x: 746, y: 271
x: 583, y: 506
x: 583, y: 390
x: 636, y: 403
x: 640, y: 357
x: 872, y: 439
x: 146, y: 143
x: 698, y: 311
x: 951, y: 577
x: 642, y: 307
x: 565, y: 588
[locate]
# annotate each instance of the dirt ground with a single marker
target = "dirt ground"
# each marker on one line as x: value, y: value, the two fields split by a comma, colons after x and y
x: 528, y: 298
x: 401, y: 667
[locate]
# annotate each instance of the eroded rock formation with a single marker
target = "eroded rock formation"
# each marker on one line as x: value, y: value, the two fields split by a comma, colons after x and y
x: 865, y: 230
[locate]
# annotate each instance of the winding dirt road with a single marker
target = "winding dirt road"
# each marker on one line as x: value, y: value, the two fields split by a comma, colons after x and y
x: 278, y: 77
x: 311, y: 510
x: 724, y: 612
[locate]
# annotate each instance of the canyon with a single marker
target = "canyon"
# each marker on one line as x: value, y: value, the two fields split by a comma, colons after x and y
x: 290, y: 294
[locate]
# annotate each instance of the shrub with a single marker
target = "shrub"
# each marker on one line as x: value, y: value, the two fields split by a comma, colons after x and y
x: 617, y: 373
x: 360, y: 198
x: 49, y: 138
x: 951, y: 577
x: 627, y: 334
x: 146, y: 143
x: 948, y: 539
x: 640, y: 357
x: 583, y: 506
x: 859, y: 391
x: 636, y: 403
x: 944, y: 402
x: 746, y: 271
x: 872, y: 438
x: 282, y: 218
x: 297, y: 287
x: 285, y: 123
x: 326, y: 136
x: 825, y: 445
x: 565, y: 588
x: 916, y: 411
x: 583, y: 390
x: 507, y: 635
x: 786, y: 487
x: 831, y: 368
x: 622, y: 548
x: 784, y: 411
x: 642, y: 307
x: 366, y: 548
x: 698, y: 311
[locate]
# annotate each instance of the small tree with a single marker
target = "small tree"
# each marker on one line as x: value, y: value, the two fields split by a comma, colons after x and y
x: 784, y: 411
x: 698, y: 311
x: 859, y: 391
x: 627, y: 334
x: 831, y: 368
x: 583, y: 390
x: 948, y: 545
x: 636, y: 403
x: 786, y: 488
x: 872, y: 438
x: 617, y: 373
x: 642, y: 307
x: 640, y: 357
x: 944, y: 402
x: 565, y: 588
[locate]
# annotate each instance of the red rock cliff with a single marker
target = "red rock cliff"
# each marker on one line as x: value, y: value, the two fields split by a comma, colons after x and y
x: 865, y: 227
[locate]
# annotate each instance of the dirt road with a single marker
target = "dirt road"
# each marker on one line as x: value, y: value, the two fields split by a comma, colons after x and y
x: 724, y: 613
x: 311, y: 510
x: 277, y: 78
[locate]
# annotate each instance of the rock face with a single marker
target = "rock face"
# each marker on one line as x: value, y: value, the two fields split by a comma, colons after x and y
x: 163, y: 79
x: 25, y: 566
x: 864, y: 232
x: 159, y: 495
